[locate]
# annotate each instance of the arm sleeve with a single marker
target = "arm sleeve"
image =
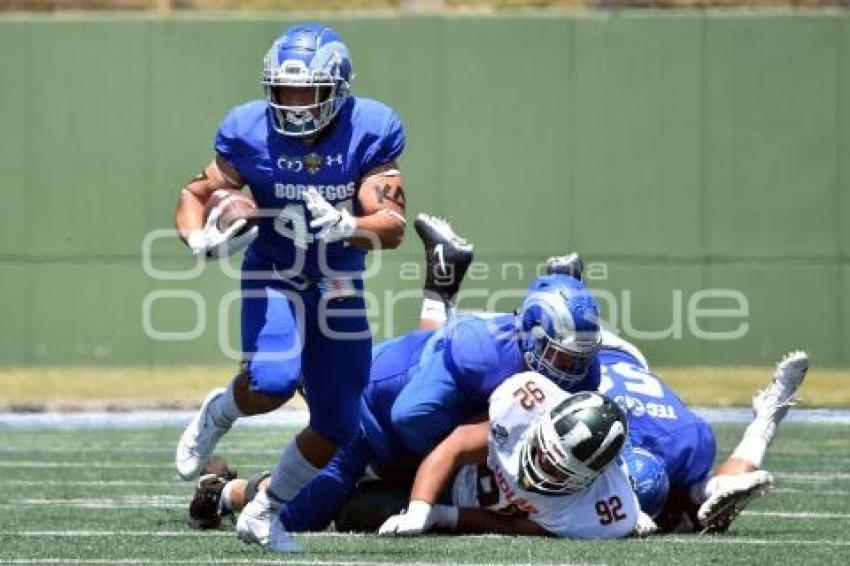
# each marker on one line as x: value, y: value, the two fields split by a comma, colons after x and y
x: 228, y: 143
x: 388, y: 146
x: 474, y: 360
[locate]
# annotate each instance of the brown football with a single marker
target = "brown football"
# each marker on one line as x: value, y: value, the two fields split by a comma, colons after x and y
x: 236, y: 205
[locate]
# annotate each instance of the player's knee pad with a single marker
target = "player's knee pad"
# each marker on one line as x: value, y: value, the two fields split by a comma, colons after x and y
x: 253, y: 485
x: 649, y: 479
x: 274, y: 378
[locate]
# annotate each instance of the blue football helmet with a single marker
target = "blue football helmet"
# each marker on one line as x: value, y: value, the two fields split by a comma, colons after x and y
x: 307, y: 56
x: 649, y: 479
x: 559, y: 318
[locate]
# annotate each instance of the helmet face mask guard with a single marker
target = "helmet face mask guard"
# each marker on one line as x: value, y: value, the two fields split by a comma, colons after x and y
x: 307, y: 58
x: 572, y: 444
x: 560, y: 325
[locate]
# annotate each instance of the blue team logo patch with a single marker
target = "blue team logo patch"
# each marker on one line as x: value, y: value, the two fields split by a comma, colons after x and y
x: 313, y: 163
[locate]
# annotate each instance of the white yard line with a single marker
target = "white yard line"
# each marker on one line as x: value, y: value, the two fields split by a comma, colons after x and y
x: 141, y: 501
x: 283, y: 559
x: 689, y: 539
x: 697, y: 539
x: 811, y: 477
x: 810, y: 492
x: 168, y: 466
x: 796, y: 514
x: 96, y: 483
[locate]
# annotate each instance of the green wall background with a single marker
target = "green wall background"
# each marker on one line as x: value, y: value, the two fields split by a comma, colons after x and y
x: 676, y: 151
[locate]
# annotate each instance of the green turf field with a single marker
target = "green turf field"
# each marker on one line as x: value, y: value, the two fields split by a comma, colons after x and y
x: 111, y: 496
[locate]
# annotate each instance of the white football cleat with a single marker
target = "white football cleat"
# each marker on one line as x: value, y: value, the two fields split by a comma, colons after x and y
x: 254, y: 523
x: 730, y: 494
x: 774, y: 401
x: 281, y: 540
x: 198, y: 440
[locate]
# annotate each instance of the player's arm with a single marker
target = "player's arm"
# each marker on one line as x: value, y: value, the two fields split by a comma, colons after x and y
x: 467, y: 444
x: 189, y: 216
x: 382, y: 202
x: 474, y: 520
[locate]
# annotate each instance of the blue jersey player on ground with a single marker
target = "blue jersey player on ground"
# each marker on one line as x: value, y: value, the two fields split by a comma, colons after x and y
x: 321, y: 165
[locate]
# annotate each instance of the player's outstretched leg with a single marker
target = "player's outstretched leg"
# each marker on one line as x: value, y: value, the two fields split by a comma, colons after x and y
x: 739, y: 480
x: 570, y: 264
x: 292, y: 472
x: 447, y: 257
x: 217, y: 414
x: 201, y: 435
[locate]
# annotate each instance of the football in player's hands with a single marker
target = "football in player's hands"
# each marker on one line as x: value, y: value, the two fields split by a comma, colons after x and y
x: 232, y: 205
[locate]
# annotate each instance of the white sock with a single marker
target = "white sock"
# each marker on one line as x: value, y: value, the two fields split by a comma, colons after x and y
x: 263, y: 500
x: 434, y: 310
x: 752, y: 449
x: 226, y: 503
x: 756, y: 439
x: 224, y: 410
x: 292, y: 473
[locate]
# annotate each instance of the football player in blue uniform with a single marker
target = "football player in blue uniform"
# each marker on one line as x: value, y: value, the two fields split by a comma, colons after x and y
x: 321, y: 165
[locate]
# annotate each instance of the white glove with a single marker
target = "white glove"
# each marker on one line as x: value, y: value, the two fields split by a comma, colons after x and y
x: 333, y: 224
x: 645, y: 526
x: 210, y: 242
x: 419, y: 518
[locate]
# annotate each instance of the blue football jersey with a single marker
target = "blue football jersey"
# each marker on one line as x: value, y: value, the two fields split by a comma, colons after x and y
x: 658, y: 420
x: 482, y: 351
x: 278, y: 169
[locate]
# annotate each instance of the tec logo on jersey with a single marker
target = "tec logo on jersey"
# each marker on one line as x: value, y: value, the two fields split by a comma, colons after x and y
x: 312, y: 163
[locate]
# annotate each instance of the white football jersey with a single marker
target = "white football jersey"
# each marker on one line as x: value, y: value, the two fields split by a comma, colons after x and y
x: 608, y: 508
x: 610, y: 341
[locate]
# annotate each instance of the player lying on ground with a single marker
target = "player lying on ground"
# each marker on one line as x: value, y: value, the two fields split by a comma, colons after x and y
x: 451, y: 372
x: 542, y: 464
x: 673, y: 448
x: 625, y: 373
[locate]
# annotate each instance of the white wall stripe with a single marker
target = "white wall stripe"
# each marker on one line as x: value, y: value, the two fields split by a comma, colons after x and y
x: 299, y: 418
